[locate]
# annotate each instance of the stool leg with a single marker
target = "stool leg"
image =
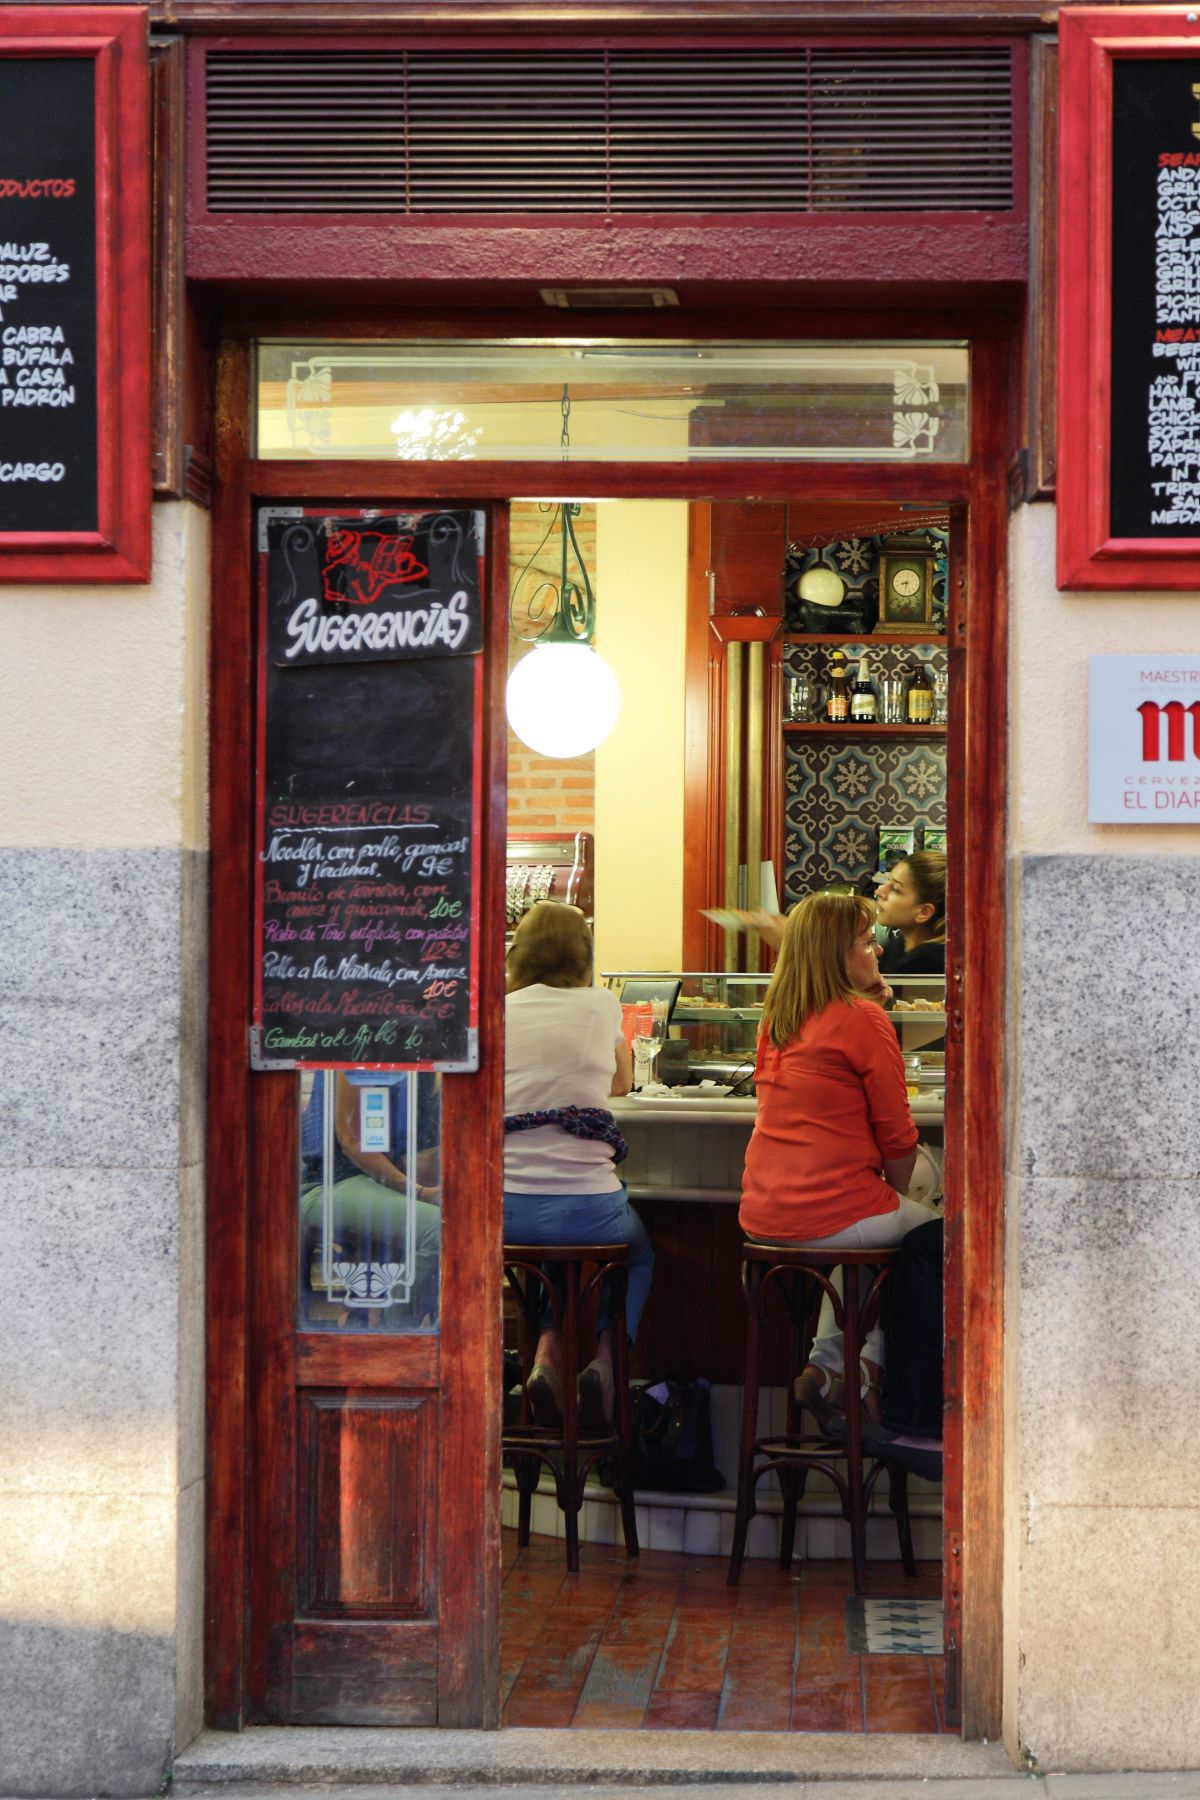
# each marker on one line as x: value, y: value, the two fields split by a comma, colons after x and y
x: 570, y: 1482
x: 851, y: 1346
x: 791, y: 1482
x: 525, y: 1468
x: 897, y: 1476
x: 749, y: 1431
x: 623, y: 1419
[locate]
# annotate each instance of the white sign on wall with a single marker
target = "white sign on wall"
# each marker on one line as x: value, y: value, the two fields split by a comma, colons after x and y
x: 1144, y: 740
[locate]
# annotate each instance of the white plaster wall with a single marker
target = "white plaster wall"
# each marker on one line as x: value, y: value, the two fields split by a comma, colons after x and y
x: 1102, y: 1581
x: 103, y: 884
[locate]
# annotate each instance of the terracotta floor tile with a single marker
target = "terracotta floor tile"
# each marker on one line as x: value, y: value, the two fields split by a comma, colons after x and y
x: 662, y: 1642
x: 828, y: 1694
x: 899, y: 1696
x: 682, y: 1712
x: 621, y: 1678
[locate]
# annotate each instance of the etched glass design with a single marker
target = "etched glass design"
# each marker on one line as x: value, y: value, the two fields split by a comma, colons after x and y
x: 370, y: 1200
x: 628, y: 401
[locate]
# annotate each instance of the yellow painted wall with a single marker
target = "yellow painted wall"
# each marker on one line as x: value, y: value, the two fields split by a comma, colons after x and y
x: 641, y: 589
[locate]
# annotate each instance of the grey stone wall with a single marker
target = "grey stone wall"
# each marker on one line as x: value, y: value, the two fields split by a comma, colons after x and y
x: 1104, y: 1245
x: 102, y: 995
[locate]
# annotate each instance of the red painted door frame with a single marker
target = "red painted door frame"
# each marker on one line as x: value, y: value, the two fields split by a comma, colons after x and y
x: 975, y: 995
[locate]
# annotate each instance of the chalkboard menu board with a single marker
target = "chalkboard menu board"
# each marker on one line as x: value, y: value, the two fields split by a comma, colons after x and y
x: 49, y: 465
x: 1155, y: 355
x: 368, y: 806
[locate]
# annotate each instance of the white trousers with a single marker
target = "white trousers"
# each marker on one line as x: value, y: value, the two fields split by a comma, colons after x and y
x: 877, y: 1232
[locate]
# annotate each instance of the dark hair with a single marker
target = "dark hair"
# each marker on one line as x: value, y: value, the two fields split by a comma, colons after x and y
x: 552, y: 946
x: 928, y: 870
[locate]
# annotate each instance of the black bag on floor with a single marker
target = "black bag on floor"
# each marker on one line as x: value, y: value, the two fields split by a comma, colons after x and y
x: 672, y: 1436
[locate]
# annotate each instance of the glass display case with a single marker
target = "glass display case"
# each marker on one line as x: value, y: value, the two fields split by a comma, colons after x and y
x: 712, y: 1028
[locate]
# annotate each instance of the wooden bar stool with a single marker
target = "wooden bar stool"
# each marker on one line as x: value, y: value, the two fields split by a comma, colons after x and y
x: 794, y: 1453
x: 569, y: 1456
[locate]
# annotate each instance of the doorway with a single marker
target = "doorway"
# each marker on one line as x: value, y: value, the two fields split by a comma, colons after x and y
x: 664, y: 1642
x: 255, y: 1120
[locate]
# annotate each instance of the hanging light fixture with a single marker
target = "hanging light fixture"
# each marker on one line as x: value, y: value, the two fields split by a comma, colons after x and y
x: 563, y: 699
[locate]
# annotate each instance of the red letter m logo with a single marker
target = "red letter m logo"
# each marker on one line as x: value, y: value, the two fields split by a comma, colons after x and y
x: 1173, y: 712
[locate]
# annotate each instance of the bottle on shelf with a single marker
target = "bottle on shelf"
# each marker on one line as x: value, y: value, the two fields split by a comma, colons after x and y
x: 920, y: 697
x: 864, y: 707
x: 837, y: 706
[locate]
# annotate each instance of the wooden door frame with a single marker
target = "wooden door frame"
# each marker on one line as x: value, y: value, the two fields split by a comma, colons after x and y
x: 977, y: 745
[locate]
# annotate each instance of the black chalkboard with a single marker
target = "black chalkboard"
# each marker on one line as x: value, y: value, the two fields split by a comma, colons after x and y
x: 370, y: 692
x: 48, y: 312
x: 1155, y: 421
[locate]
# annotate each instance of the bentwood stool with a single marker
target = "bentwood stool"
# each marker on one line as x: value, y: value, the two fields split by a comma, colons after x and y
x: 785, y: 1267
x: 569, y: 1455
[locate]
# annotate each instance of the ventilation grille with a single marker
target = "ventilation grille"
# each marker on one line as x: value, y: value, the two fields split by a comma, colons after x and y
x: 617, y: 131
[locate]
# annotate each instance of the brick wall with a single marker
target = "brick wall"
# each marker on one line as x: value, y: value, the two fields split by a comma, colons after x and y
x: 544, y: 793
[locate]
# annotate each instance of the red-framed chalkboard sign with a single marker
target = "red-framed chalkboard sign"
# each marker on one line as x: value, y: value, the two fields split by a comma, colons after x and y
x: 75, y: 418
x: 370, y: 706
x: 1129, y: 298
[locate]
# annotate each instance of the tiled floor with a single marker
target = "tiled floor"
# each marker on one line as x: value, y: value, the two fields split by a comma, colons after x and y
x: 662, y: 1643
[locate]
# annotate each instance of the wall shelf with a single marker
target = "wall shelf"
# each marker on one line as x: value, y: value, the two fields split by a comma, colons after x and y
x: 827, y: 728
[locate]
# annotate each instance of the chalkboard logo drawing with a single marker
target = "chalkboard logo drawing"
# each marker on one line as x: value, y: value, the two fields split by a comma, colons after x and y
x: 360, y: 566
x: 1196, y: 96
x: 1151, y: 713
x: 378, y: 590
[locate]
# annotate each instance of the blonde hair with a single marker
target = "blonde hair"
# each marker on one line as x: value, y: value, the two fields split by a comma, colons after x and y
x: 552, y: 945
x: 810, y: 972
x: 928, y: 870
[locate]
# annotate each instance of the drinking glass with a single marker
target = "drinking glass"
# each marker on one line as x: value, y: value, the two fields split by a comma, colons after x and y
x: 801, y: 699
x: 912, y: 1076
x: 646, y: 1045
x: 891, y: 690
x: 941, y: 697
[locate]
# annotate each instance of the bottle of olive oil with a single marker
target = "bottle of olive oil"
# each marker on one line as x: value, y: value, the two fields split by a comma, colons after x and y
x: 864, y: 708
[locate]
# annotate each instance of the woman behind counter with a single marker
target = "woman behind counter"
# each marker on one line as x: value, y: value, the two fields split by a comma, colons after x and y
x: 912, y: 905
x: 564, y: 1048
x: 834, y: 1144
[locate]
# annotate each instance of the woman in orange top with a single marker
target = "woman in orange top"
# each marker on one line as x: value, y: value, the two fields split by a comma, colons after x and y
x: 834, y: 1144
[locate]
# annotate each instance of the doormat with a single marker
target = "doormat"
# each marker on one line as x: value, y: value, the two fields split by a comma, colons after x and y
x: 893, y: 1627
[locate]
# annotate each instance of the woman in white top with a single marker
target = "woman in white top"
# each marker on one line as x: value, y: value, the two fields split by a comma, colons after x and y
x: 564, y: 1049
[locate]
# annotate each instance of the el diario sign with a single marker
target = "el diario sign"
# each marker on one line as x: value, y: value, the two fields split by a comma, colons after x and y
x: 48, y: 299
x: 370, y: 705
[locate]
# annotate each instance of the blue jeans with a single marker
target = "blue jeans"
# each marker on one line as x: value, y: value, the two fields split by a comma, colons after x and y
x: 587, y: 1219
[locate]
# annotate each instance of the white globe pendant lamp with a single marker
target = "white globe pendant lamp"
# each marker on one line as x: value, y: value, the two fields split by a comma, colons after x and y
x: 563, y: 699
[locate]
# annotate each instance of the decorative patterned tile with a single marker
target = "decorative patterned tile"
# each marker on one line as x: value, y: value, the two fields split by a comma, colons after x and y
x: 893, y: 1627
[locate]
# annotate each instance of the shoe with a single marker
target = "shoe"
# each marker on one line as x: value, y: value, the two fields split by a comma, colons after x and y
x: 544, y: 1391
x: 820, y: 1393
x: 596, y: 1399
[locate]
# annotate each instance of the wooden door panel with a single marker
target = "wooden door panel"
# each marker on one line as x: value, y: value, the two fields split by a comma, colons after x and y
x: 367, y: 1494
x: 345, y: 1674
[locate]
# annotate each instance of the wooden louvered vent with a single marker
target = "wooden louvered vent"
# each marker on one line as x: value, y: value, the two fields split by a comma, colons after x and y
x: 865, y: 129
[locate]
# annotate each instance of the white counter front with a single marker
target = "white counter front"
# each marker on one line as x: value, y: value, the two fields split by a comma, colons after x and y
x: 670, y: 1159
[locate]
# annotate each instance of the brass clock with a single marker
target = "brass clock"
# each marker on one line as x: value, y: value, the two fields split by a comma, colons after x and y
x: 906, y: 585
